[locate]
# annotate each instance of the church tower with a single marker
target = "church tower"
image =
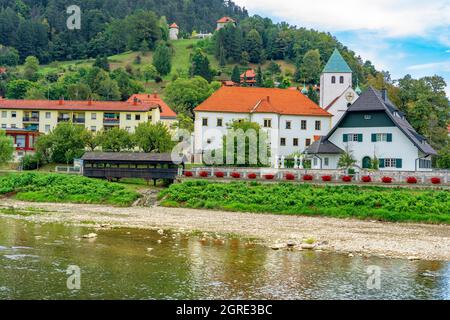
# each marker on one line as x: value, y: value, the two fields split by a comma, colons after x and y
x: 336, y: 77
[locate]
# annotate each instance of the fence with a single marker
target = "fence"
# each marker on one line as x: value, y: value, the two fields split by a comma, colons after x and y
x: 68, y: 170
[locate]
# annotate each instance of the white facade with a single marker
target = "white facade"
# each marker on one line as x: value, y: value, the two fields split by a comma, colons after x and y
x: 339, y: 106
x: 173, y: 33
x: 332, y: 85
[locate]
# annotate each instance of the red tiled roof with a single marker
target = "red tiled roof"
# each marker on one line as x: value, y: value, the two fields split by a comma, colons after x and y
x: 249, y: 73
x: 225, y: 20
x: 166, y: 111
x: 229, y: 83
x: 71, y: 105
x: 173, y: 25
x: 267, y: 100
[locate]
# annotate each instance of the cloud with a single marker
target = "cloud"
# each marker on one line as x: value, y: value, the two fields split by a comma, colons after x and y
x: 392, y: 18
x: 432, y: 66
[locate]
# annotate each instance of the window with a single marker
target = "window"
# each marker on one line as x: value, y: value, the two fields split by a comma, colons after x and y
x: 341, y: 79
x: 3, y: 126
x: 318, y: 125
x: 326, y: 161
x: 390, y: 163
x: 303, y: 125
x: 333, y: 79
x: 308, y: 142
x: 283, y: 142
x: 128, y: 129
x: 367, y: 117
x: 13, y: 114
x: 381, y: 137
x: 295, y: 142
x: 150, y: 118
x: 20, y: 141
x: 315, y: 162
x: 47, y: 128
x: 48, y: 115
x: 93, y: 116
x: 13, y: 126
x: 128, y: 116
x: 137, y: 117
x: 424, y: 164
x: 288, y: 124
x: 4, y: 114
x: 267, y: 123
x: 353, y: 137
x: 93, y: 128
x: 219, y: 122
x: 205, y: 122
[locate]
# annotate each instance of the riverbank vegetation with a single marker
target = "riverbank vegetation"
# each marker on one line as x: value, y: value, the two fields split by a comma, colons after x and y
x: 40, y: 187
x: 374, y: 203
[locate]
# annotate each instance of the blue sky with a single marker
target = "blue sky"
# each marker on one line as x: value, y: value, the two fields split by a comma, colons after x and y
x: 402, y: 36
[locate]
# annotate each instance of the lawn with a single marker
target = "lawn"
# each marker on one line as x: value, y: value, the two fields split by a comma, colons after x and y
x: 373, y: 203
x: 51, y: 187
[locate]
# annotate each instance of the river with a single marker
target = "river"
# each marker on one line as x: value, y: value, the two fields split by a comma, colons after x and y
x: 131, y: 264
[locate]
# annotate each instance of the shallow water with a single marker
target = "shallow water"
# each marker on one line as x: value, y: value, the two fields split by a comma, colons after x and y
x: 117, y: 265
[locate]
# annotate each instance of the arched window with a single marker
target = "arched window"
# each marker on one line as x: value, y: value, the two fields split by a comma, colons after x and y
x: 333, y: 79
x: 341, y: 79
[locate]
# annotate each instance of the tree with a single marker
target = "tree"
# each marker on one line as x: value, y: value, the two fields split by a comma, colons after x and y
x: 162, y: 59
x: 116, y: 140
x: 6, y: 148
x: 79, y: 91
x: 35, y: 93
x: 259, y: 77
x: 17, y: 89
x: 346, y: 160
x: 149, y: 72
x: 109, y: 90
x: 443, y: 161
x: 245, y: 58
x: 151, y: 137
x: 254, y: 46
x: 31, y: 67
x: 144, y: 47
x: 236, y: 75
x: 274, y: 68
x: 200, y: 66
x: 183, y: 122
x: 102, y: 63
x: 8, y: 56
x: 310, y: 67
x: 91, y: 140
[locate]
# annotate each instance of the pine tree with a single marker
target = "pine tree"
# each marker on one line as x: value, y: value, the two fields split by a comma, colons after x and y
x: 259, y: 77
x: 254, y: 46
x: 162, y: 59
x: 200, y: 66
x: 236, y: 75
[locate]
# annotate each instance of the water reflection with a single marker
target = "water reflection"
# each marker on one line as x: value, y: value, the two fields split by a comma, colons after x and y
x: 131, y: 264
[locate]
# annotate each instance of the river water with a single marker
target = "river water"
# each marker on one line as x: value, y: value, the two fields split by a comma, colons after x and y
x: 131, y: 264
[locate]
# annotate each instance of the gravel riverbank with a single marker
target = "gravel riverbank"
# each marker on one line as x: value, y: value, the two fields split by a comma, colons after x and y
x: 399, y: 240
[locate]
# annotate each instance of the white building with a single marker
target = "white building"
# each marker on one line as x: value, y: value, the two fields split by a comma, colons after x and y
x: 174, y: 30
x: 292, y: 120
x: 222, y: 22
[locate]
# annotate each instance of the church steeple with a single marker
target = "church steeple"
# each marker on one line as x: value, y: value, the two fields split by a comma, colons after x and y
x: 336, y: 64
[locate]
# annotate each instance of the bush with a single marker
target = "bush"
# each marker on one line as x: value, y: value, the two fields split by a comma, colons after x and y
x: 308, y: 177
x: 347, y: 178
x: 30, y: 162
x: 203, y: 174
x: 251, y: 176
x: 411, y: 180
x: 188, y: 174
x: 236, y: 175
x: 366, y: 179
x: 327, y: 178
x: 436, y: 180
x: 269, y: 176
x: 219, y: 174
x: 290, y: 176
x: 387, y: 180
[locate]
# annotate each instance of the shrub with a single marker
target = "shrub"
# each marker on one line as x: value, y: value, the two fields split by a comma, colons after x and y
x: 411, y: 180
x: 386, y: 179
x: 251, y: 176
x: 290, y: 176
x: 366, y: 179
x: 269, y: 176
x: 236, y: 175
x: 435, y: 180
x: 30, y: 162
x: 219, y: 174
x: 326, y: 178
x: 203, y: 174
x: 308, y: 177
x: 347, y: 178
x: 188, y: 174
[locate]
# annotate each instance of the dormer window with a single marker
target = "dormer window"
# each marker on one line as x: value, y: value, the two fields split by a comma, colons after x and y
x: 341, y: 79
x: 333, y: 79
x: 367, y: 117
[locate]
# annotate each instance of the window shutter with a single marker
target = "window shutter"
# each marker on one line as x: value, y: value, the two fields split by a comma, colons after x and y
x: 360, y: 138
x: 389, y: 137
x: 381, y: 163
x: 345, y: 137
x: 398, y: 163
x: 374, y: 137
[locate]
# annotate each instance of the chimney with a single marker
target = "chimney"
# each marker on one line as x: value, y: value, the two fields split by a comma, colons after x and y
x: 384, y: 94
x: 155, y: 94
x: 135, y: 101
x: 90, y: 102
x: 268, y: 98
x: 61, y: 101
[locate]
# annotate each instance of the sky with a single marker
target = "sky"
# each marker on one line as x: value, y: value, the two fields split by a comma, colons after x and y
x: 401, y: 36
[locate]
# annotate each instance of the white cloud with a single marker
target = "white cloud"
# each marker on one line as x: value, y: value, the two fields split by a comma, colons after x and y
x: 392, y: 18
x: 432, y: 66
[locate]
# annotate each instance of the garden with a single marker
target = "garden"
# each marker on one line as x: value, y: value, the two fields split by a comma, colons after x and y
x: 363, y: 202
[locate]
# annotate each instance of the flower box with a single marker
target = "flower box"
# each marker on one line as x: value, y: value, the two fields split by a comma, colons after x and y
x: 236, y: 175
x: 251, y: 176
x: 188, y: 174
x: 387, y: 180
x: 219, y: 174
x: 290, y: 176
x: 435, y: 180
x: 308, y: 177
x: 269, y: 176
x: 347, y: 178
x: 327, y: 178
x: 411, y: 180
x: 203, y: 174
x: 366, y: 179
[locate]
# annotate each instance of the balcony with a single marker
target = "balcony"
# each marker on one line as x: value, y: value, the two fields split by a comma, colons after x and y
x: 63, y: 119
x: 79, y: 120
x: 111, y: 121
x: 30, y: 119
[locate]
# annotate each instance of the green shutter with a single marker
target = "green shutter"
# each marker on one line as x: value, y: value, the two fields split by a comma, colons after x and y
x: 398, y: 163
x: 381, y: 163
x: 360, y: 138
x: 345, y: 137
x: 389, y: 137
x: 374, y: 137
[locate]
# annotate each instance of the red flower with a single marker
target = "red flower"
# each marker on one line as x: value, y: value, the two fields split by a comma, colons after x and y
x: 387, y: 180
x: 346, y: 178
x: 219, y: 174
x: 269, y: 176
x: 326, y: 178
x: 366, y: 179
x: 308, y: 177
x: 188, y: 174
x: 411, y: 180
x: 435, y: 180
x: 252, y: 176
x: 203, y: 174
x: 290, y: 176
x: 236, y: 175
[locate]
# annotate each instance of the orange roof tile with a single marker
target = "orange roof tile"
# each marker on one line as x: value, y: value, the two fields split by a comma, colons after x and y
x: 225, y: 20
x: 249, y: 74
x: 173, y: 25
x: 267, y: 100
x: 166, y: 111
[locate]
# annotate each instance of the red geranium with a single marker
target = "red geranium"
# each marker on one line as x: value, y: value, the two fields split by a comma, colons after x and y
x: 366, y: 179
x: 203, y: 174
x: 327, y: 178
x: 236, y: 175
x: 346, y: 178
x: 308, y: 177
x: 219, y: 174
x: 252, y: 176
x: 188, y: 174
x: 269, y: 176
x: 411, y: 180
x: 435, y: 180
x: 290, y: 176
x: 387, y: 179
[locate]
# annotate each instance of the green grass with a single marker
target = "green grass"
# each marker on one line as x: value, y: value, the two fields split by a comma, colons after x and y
x: 375, y: 203
x: 42, y: 187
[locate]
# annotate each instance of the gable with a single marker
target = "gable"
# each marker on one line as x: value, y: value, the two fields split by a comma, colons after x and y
x: 366, y: 120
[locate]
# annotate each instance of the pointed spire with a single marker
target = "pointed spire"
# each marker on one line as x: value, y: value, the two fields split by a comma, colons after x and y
x: 336, y: 64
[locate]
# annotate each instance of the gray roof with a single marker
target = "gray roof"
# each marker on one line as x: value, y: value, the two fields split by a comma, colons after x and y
x: 323, y: 146
x: 127, y: 156
x: 372, y: 100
